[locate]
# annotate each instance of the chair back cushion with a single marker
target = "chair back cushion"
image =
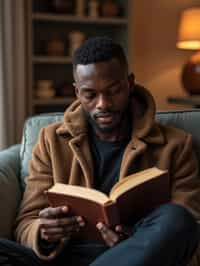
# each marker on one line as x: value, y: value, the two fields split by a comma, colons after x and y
x: 188, y: 120
x: 31, y: 130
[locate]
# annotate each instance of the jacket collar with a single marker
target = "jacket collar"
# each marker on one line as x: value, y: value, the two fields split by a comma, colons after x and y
x: 74, y: 123
x: 143, y: 119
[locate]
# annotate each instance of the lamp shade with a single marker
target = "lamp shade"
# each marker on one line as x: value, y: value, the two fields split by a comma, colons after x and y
x: 189, y: 29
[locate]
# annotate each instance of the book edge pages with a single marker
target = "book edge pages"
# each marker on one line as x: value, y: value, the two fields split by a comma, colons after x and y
x: 123, y: 185
x: 81, y: 192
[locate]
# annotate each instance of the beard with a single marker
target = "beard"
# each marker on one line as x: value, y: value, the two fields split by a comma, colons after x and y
x: 122, y: 114
x: 96, y: 127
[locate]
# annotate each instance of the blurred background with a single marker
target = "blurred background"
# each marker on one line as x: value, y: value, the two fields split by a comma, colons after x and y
x: 37, y: 40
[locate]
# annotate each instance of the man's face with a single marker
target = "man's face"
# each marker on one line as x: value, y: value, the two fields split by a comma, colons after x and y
x: 103, y: 90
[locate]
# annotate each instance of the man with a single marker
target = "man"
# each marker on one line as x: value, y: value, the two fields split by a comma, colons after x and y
x: 107, y: 134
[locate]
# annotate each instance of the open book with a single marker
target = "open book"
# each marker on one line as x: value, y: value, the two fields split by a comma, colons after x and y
x: 130, y: 199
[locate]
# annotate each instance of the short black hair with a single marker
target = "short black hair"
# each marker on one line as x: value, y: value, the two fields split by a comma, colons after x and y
x: 99, y: 49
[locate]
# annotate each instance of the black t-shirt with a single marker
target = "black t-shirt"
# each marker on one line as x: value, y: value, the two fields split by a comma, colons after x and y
x: 107, y: 158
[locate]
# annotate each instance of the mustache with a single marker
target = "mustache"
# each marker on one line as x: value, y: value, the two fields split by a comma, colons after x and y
x: 103, y: 113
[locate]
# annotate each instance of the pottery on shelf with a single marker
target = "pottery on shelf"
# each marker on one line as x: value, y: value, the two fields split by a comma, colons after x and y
x: 76, y: 38
x: 93, y: 8
x: 55, y: 46
x: 110, y: 8
x: 80, y: 8
x: 62, y: 6
x: 45, y: 89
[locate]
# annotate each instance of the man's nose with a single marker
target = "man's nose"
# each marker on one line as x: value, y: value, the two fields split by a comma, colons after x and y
x: 103, y: 102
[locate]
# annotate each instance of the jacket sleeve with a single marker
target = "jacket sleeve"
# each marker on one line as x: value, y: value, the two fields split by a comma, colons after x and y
x: 40, y: 179
x: 186, y: 180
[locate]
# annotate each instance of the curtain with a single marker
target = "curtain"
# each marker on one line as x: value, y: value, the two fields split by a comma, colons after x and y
x: 2, y: 122
x: 12, y: 68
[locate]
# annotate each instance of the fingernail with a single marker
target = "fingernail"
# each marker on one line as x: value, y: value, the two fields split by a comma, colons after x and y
x: 79, y: 219
x: 118, y: 228
x: 99, y: 225
x: 82, y: 224
x: 65, y: 208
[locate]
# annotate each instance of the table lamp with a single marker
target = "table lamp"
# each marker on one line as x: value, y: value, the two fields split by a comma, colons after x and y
x: 189, y: 38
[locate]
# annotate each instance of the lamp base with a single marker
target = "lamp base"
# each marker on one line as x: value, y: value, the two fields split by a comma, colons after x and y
x: 191, y: 75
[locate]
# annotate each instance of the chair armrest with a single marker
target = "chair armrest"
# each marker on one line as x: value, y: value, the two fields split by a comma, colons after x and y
x: 10, y: 192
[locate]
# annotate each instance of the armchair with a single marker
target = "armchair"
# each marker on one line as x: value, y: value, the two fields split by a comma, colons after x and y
x: 14, y: 160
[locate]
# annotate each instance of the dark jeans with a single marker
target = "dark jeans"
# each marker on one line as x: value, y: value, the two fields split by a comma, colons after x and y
x: 166, y: 237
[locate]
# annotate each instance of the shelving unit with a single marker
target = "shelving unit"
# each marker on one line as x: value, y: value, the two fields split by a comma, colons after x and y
x: 42, y: 25
x: 51, y: 59
x: 53, y: 101
x: 77, y: 19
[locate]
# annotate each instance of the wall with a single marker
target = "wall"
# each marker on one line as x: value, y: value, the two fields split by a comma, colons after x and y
x: 154, y: 57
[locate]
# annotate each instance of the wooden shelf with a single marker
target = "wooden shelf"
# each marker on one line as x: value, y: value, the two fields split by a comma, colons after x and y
x: 187, y: 100
x: 51, y: 59
x: 53, y: 101
x: 78, y: 19
x: 42, y: 26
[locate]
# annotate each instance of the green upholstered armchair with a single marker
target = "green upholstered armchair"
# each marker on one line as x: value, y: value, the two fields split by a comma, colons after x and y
x: 14, y: 160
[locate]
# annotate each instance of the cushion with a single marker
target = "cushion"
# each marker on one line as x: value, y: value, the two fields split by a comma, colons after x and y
x: 10, y: 193
x: 187, y: 120
x: 31, y: 130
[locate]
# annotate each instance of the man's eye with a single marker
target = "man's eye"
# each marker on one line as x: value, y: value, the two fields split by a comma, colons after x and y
x: 89, y: 95
x: 115, y: 90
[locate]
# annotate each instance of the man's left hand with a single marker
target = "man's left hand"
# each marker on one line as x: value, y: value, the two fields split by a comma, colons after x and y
x: 113, y: 237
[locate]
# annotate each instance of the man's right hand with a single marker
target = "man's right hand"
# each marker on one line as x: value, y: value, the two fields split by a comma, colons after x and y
x: 54, y: 225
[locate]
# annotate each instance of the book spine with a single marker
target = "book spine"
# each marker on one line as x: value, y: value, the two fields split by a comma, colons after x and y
x: 111, y: 214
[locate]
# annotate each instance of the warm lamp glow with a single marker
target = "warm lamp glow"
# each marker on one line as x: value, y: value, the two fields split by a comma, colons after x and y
x: 189, y: 38
x: 189, y: 30
x: 189, y: 45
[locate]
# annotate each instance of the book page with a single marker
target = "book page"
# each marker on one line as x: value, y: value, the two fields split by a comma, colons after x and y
x: 134, y: 180
x: 81, y: 192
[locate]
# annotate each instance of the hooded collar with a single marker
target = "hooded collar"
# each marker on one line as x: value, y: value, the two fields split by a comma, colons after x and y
x: 74, y: 122
x: 143, y: 118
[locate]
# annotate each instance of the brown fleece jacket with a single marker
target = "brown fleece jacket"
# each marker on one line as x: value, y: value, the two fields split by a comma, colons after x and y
x: 62, y: 154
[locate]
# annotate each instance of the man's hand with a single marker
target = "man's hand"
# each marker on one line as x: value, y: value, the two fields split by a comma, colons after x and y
x: 55, y: 225
x: 111, y: 237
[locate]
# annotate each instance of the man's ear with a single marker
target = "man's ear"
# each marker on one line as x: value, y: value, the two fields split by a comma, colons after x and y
x: 76, y: 90
x: 131, y: 80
